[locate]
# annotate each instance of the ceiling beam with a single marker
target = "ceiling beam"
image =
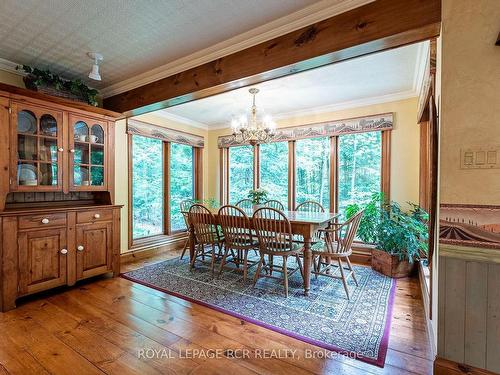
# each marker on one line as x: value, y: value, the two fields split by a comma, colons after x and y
x: 374, y: 27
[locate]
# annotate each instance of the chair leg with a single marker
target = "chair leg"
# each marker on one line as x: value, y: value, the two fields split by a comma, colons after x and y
x: 223, y: 262
x: 344, y: 281
x: 212, y: 263
x: 352, y: 271
x: 185, y: 247
x: 194, y: 256
x: 301, y: 268
x: 285, y: 274
x: 271, y: 265
x: 257, y: 273
x: 245, y: 266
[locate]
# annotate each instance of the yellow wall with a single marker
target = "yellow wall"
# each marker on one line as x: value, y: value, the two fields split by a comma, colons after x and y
x: 404, y: 146
x: 470, y: 98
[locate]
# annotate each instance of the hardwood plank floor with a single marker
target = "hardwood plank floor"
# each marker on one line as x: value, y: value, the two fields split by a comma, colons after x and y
x: 115, y: 326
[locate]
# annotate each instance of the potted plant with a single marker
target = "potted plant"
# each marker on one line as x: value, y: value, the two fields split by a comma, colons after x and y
x: 258, y: 197
x: 400, y: 237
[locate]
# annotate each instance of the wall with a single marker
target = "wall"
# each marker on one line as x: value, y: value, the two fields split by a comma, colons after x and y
x: 404, y: 146
x: 121, y: 164
x: 468, y: 319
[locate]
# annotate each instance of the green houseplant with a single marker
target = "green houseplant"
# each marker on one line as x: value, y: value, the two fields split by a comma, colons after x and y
x: 258, y: 197
x: 400, y: 236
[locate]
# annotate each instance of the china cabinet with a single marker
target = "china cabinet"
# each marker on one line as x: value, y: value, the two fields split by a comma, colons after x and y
x: 58, y: 220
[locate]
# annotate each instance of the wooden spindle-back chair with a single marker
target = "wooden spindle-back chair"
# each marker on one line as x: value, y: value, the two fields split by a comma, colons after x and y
x: 238, y: 237
x: 273, y: 203
x: 245, y: 204
x: 185, y: 205
x: 310, y: 206
x: 337, y: 245
x: 206, y: 233
x: 274, y: 232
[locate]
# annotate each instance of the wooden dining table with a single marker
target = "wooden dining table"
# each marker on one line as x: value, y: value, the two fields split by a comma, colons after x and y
x: 303, y: 223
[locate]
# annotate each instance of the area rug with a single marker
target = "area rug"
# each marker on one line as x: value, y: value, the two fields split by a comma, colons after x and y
x: 358, y: 328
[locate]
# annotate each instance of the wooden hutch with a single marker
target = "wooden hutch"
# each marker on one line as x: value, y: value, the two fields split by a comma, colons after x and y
x: 58, y: 220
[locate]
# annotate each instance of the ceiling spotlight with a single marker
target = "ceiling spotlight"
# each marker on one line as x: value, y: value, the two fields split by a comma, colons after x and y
x: 94, y: 73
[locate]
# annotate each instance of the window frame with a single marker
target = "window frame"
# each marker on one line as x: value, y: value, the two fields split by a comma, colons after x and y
x: 167, y: 235
x: 385, y: 172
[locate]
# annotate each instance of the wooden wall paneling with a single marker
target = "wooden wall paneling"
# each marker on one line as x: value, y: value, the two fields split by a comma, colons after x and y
x: 445, y: 367
x: 476, y: 297
x: 4, y: 150
x: 9, y: 263
x: 374, y: 27
x: 441, y: 332
x: 386, y: 164
x: 291, y: 175
x: 166, y: 188
x: 493, y: 319
x: 454, y: 310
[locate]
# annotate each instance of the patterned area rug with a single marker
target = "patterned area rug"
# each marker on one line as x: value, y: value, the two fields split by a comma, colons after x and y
x: 358, y: 327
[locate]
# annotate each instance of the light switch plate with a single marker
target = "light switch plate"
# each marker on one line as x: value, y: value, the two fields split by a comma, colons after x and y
x: 480, y: 157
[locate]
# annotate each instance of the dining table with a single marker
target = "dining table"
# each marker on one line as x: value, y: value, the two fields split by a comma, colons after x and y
x: 303, y: 223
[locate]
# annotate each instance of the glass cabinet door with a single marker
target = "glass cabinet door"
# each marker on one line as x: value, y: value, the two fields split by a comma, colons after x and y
x: 88, y: 152
x: 37, y: 148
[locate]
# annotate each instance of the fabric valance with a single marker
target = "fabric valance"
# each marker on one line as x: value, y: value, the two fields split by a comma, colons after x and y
x: 165, y: 134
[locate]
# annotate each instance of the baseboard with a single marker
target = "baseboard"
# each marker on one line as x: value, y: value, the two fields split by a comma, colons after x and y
x: 147, y: 252
x: 361, y: 253
x: 424, y: 289
x: 446, y: 367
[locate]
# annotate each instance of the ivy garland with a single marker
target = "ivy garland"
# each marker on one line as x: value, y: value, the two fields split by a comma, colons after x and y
x: 45, y: 78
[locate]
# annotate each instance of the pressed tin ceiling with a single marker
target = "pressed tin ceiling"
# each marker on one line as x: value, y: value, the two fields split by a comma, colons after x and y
x: 134, y: 36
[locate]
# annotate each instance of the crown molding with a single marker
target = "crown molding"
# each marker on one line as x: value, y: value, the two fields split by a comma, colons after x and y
x: 284, y: 25
x: 420, y: 66
x: 338, y: 107
x: 180, y: 119
x: 10, y: 67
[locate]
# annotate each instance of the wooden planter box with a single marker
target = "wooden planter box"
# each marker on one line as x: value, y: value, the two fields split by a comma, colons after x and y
x: 390, y: 265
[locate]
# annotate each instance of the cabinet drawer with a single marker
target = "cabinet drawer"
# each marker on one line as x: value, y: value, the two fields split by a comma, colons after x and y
x: 42, y: 220
x: 93, y: 216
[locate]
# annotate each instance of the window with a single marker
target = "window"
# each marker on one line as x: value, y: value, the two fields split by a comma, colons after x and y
x: 274, y: 170
x: 147, y: 187
x: 181, y: 182
x: 240, y: 172
x: 312, y: 160
x: 359, y: 169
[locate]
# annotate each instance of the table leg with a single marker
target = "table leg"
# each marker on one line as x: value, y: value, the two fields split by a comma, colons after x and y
x: 192, y: 243
x: 307, y: 265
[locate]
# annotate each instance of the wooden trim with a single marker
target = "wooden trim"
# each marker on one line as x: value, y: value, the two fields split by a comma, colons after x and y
x: 374, y: 27
x: 155, y: 245
x: 130, y: 213
x: 291, y: 175
x: 469, y: 253
x: 446, y: 367
x: 377, y: 122
x: 20, y: 94
x: 222, y: 173
x: 165, y: 134
x: 166, y: 188
x: 334, y: 174
x: 4, y: 151
x: 385, y: 181
x: 256, y: 166
x: 198, y: 173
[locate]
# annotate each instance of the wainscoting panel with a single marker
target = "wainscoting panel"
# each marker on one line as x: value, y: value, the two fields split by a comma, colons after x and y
x: 469, y: 308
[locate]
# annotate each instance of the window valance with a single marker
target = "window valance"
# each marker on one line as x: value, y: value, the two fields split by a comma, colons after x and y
x: 170, y: 135
x: 330, y: 128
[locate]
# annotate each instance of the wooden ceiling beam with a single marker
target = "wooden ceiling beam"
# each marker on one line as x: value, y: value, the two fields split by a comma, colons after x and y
x: 374, y: 27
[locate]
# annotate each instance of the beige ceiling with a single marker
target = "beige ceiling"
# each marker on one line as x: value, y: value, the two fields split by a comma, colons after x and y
x: 133, y: 35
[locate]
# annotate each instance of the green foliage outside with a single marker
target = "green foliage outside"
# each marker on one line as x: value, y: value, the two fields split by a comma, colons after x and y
x: 240, y: 172
x: 181, y: 182
x: 274, y: 170
x: 391, y: 229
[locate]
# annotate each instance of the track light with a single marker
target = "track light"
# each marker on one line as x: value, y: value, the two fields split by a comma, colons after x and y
x: 94, y: 73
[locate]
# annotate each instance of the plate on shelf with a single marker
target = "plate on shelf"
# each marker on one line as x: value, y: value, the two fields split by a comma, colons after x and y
x: 26, y: 172
x: 26, y: 123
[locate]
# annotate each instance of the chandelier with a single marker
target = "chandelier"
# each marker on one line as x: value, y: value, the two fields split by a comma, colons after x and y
x: 252, y: 128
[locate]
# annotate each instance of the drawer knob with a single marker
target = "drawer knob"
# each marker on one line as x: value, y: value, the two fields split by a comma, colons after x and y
x: 97, y: 216
x: 72, y: 150
x: 64, y: 251
x: 80, y: 248
x: 60, y: 149
x: 45, y: 221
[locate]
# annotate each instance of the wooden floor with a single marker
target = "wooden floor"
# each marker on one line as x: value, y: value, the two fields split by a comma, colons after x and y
x: 102, y: 326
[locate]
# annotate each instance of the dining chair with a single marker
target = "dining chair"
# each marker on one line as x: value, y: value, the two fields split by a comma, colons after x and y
x: 245, y: 204
x: 310, y: 206
x: 273, y: 203
x: 185, y: 205
x: 238, y: 237
x: 274, y: 232
x: 207, y: 234
x: 337, y: 245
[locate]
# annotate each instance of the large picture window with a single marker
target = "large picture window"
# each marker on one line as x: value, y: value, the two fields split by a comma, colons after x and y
x: 241, y: 172
x: 313, y: 171
x: 181, y: 182
x: 274, y: 170
x: 359, y: 169
x: 162, y: 175
x: 147, y: 187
